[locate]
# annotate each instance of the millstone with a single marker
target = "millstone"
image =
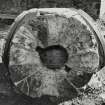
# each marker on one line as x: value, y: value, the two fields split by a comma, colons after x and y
x: 52, y: 52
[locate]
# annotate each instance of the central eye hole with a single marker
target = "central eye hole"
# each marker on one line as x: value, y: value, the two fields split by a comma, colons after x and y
x: 53, y: 57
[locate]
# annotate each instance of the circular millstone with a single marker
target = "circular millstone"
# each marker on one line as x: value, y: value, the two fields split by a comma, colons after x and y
x: 66, y: 43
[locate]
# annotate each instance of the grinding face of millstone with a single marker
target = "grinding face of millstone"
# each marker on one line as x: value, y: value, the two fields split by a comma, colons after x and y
x: 28, y: 72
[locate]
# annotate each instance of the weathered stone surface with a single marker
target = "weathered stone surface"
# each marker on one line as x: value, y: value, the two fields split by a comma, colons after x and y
x: 60, y: 28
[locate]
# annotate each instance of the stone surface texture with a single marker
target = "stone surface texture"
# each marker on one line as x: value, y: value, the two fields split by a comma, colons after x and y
x: 63, y: 27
